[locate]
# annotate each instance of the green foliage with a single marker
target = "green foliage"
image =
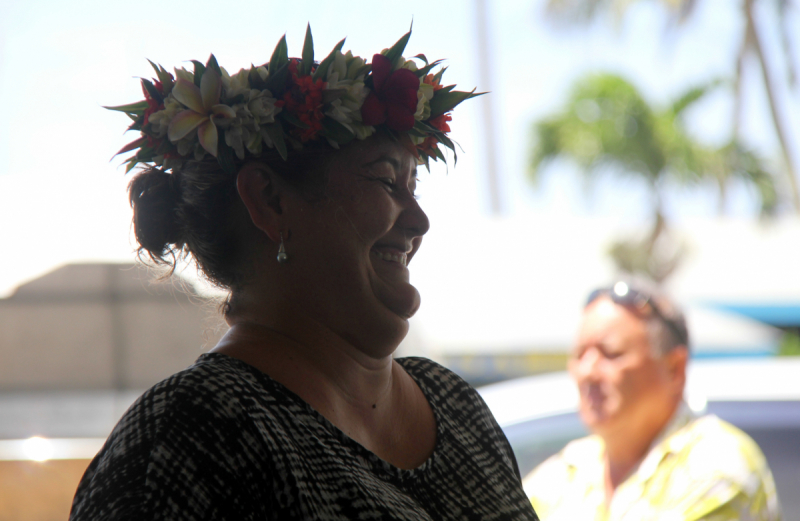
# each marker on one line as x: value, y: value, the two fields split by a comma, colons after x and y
x: 308, y: 53
x: 606, y: 125
x: 323, y: 67
x: 790, y: 344
x: 606, y: 122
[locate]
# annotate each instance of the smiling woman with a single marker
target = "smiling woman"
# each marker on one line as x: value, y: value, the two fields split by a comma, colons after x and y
x: 300, y: 411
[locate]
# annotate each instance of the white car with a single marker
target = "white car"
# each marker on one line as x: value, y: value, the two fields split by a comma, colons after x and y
x: 761, y: 396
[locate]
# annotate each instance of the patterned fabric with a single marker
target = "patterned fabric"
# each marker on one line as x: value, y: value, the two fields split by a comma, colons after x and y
x: 222, y: 440
x: 697, y: 469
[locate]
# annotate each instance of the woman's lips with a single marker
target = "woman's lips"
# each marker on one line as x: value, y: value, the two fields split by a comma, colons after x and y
x: 391, y: 255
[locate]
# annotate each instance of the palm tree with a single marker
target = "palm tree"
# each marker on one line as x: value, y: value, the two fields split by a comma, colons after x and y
x: 583, y: 11
x: 607, y: 126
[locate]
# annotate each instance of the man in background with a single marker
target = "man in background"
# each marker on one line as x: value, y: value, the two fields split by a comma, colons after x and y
x: 649, y: 456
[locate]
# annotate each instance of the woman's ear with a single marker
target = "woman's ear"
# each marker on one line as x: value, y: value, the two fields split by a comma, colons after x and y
x: 260, y: 191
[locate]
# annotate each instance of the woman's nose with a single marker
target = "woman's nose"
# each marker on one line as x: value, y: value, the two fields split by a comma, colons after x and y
x: 414, y: 219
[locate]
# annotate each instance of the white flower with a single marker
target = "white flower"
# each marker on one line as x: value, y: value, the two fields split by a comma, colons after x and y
x: 235, y: 135
x: 362, y: 131
x: 236, y: 85
x: 424, y: 96
x: 159, y: 121
x: 343, y: 75
x: 354, y: 63
x: 183, y: 73
x: 410, y: 65
x: 246, y: 130
x: 262, y: 106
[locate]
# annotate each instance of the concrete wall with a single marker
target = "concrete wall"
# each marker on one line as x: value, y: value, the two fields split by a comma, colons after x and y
x: 101, y: 326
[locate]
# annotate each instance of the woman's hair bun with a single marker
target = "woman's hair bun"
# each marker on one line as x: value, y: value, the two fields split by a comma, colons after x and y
x: 154, y: 196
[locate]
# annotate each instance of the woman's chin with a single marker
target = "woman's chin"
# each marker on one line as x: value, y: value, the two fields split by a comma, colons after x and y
x: 402, y: 299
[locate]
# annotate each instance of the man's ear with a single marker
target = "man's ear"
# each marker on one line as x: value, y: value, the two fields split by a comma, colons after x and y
x: 260, y: 191
x: 677, y: 360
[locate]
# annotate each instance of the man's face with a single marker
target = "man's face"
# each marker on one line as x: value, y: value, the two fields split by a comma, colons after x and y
x: 622, y: 384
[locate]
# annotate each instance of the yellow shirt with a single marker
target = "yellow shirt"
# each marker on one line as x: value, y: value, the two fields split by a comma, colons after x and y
x: 697, y: 469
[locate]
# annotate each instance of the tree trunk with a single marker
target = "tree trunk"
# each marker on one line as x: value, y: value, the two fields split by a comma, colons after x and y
x: 773, y: 103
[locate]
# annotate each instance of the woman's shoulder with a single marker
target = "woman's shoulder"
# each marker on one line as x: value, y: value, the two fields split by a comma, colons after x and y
x: 198, y: 422
x: 452, y: 398
x: 463, y: 418
x: 431, y: 372
x: 217, y: 384
x: 441, y: 386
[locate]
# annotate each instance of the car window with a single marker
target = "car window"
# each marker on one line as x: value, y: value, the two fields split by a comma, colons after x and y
x: 536, y: 440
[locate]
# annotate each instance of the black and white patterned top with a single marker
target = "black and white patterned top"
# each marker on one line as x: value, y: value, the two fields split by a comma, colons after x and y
x: 221, y: 440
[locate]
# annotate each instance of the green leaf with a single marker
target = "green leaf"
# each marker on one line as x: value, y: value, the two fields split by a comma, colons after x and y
x: 416, y: 133
x: 255, y: 79
x: 362, y: 70
x: 296, y: 145
x: 322, y: 70
x: 425, y: 162
x: 438, y: 153
x: 438, y: 76
x: 420, y: 129
x: 132, y: 163
x: 421, y: 126
x: 199, y: 69
x: 280, y: 56
x: 212, y: 64
x: 336, y: 131
x: 292, y: 119
x: 308, y: 53
x: 422, y: 57
x: 397, y: 49
x: 421, y: 73
x: 276, y: 83
x: 151, y: 89
x: 275, y: 131
x: 693, y: 95
x: 137, y: 108
x: 442, y: 103
x: 163, y: 76
x: 446, y: 142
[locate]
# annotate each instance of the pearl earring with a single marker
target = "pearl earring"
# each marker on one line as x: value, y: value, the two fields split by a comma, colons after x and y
x: 283, y: 258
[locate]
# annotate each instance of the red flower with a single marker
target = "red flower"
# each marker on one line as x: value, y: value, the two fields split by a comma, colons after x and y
x: 393, y: 99
x: 440, y: 122
x: 304, y: 100
x: 428, y: 145
x: 152, y: 105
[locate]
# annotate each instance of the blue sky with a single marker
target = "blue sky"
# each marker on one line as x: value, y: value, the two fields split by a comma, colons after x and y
x: 61, y: 199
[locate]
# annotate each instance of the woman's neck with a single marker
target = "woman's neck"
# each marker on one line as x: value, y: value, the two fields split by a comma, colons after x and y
x: 310, y: 358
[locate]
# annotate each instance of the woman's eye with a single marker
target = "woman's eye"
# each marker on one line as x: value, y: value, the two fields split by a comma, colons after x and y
x: 389, y: 183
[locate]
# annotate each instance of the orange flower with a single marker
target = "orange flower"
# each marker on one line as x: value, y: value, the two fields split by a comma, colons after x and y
x: 440, y: 122
x: 430, y: 79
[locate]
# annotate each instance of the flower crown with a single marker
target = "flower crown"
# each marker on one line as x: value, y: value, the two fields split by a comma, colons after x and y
x: 289, y: 102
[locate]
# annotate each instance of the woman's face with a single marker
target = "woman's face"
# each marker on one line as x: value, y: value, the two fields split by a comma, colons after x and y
x: 353, y: 247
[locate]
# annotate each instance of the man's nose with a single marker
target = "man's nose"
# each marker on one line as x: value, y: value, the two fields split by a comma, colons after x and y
x: 588, y: 364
